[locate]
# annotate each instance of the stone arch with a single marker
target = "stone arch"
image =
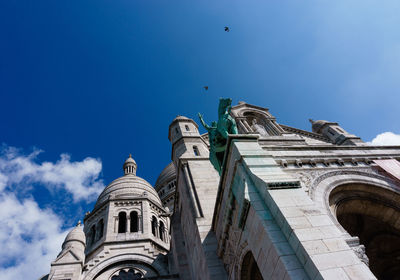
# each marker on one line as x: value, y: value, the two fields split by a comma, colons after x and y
x: 324, y: 184
x: 372, y: 215
x: 122, y: 222
x: 120, y: 261
x: 366, y: 208
x: 154, y: 225
x: 134, y: 221
x: 249, y: 269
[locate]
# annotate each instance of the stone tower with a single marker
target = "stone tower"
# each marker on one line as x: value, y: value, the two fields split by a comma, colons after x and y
x: 197, y: 181
x: 126, y: 235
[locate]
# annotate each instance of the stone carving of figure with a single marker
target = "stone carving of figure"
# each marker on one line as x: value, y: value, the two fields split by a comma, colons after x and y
x: 258, y: 128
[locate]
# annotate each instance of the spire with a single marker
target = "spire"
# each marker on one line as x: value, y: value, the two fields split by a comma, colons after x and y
x: 130, y: 166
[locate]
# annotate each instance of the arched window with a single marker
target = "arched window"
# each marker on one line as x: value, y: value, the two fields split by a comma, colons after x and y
x: 121, y: 222
x: 196, y: 151
x: 134, y: 222
x: 250, y: 270
x: 154, y: 226
x: 187, y: 127
x: 100, y: 228
x: 92, y: 235
x: 161, y: 230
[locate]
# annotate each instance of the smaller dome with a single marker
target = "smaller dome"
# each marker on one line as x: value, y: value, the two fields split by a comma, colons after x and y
x: 181, y: 118
x: 167, y: 175
x: 130, y: 159
x: 76, y: 234
x: 130, y: 166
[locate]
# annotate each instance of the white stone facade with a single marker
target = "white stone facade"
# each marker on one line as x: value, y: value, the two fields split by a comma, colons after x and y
x: 289, y: 204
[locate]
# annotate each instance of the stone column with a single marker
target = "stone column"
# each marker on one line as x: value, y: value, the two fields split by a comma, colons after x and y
x: 116, y: 224
x: 140, y: 224
x: 128, y: 223
x: 191, y: 190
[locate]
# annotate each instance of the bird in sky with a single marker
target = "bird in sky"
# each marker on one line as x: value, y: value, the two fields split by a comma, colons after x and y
x: 226, y: 28
x: 205, y: 87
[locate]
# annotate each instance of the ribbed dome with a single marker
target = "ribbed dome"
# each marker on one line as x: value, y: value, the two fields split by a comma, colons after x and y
x: 76, y: 234
x: 128, y: 186
x: 166, y: 175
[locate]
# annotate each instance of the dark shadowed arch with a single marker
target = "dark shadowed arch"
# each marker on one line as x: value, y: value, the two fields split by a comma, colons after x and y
x: 121, y: 222
x: 372, y: 214
x: 250, y: 270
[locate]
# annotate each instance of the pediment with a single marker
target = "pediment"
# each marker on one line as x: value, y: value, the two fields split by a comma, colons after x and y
x: 67, y: 256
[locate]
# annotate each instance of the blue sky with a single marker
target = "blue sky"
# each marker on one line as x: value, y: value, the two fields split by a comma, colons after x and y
x: 85, y: 83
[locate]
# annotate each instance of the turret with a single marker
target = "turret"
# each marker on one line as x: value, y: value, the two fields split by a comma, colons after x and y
x: 76, y: 241
x: 336, y: 134
x: 69, y: 262
x: 185, y: 139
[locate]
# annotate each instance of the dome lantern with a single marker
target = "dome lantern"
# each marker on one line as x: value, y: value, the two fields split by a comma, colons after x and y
x: 130, y: 166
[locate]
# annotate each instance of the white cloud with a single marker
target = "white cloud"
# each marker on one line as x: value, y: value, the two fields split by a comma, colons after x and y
x: 386, y: 138
x: 30, y: 238
x: 80, y: 178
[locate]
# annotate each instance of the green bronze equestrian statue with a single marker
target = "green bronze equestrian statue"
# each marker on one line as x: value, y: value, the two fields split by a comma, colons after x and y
x: 218, y: 132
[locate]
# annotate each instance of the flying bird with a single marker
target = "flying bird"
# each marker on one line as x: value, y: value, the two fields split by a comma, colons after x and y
x: 205, y: 87
x: 226, y: 28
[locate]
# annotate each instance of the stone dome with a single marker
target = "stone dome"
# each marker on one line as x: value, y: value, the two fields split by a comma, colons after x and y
x: 128, y: 186
x: 181, y: 118
x: 76, y: 234
x: 130, y: 160
x: 166, y: 175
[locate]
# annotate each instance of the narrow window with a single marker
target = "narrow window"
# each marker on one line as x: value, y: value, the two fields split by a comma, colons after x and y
x: 176, y: 130
x: 134, y: 222
x: 161, y: 229
x: 187, y: 128
x: 100, y: 227
x: 154, y: 226
x: 121, y: 222
x: 196, y: 151
x: 93, y: 234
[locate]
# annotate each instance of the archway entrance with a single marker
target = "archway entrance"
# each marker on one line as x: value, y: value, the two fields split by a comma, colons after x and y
x: 373, y: 215
x: 250, y: 270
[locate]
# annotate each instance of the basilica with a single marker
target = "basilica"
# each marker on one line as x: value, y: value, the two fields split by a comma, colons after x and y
x: 270, y: 202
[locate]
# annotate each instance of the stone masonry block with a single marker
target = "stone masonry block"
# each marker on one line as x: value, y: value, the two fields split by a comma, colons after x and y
x: 359, y: 272
x: 315, y: 247
x: 335, y: 259
x: 297, y: 274
x: 320, y: 220
x: 291, y: 262
x: 336, y: 244
x: 334, y: 274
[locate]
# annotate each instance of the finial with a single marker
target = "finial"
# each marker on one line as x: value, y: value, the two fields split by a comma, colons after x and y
x: 130, y: 155
x: 79, y: 223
